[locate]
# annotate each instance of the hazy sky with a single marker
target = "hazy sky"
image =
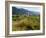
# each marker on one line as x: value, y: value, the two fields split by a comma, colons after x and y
x: 36, y: 9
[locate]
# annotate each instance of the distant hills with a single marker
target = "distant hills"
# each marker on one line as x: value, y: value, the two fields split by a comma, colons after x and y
x: 22, y: 11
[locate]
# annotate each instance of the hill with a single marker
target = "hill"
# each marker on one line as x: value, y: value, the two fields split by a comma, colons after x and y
x: 22, y: 11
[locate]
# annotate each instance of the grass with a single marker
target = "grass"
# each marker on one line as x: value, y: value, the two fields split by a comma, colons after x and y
x: 21, y: 23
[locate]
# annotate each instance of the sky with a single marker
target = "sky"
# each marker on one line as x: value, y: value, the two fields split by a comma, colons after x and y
x: 36, y: 9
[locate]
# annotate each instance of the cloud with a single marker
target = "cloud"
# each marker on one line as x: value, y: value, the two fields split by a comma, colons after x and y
x: 36, y: 9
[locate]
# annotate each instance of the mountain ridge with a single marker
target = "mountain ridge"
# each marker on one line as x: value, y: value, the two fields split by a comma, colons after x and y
x: 21, y: 11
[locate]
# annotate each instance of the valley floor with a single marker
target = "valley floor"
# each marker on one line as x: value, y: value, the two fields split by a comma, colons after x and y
x: 21, y: 23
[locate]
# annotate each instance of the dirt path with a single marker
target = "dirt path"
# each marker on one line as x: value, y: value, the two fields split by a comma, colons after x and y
x: 19, y: 22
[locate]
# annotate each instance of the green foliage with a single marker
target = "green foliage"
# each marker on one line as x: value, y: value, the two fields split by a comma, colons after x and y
x: 21, y: 23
